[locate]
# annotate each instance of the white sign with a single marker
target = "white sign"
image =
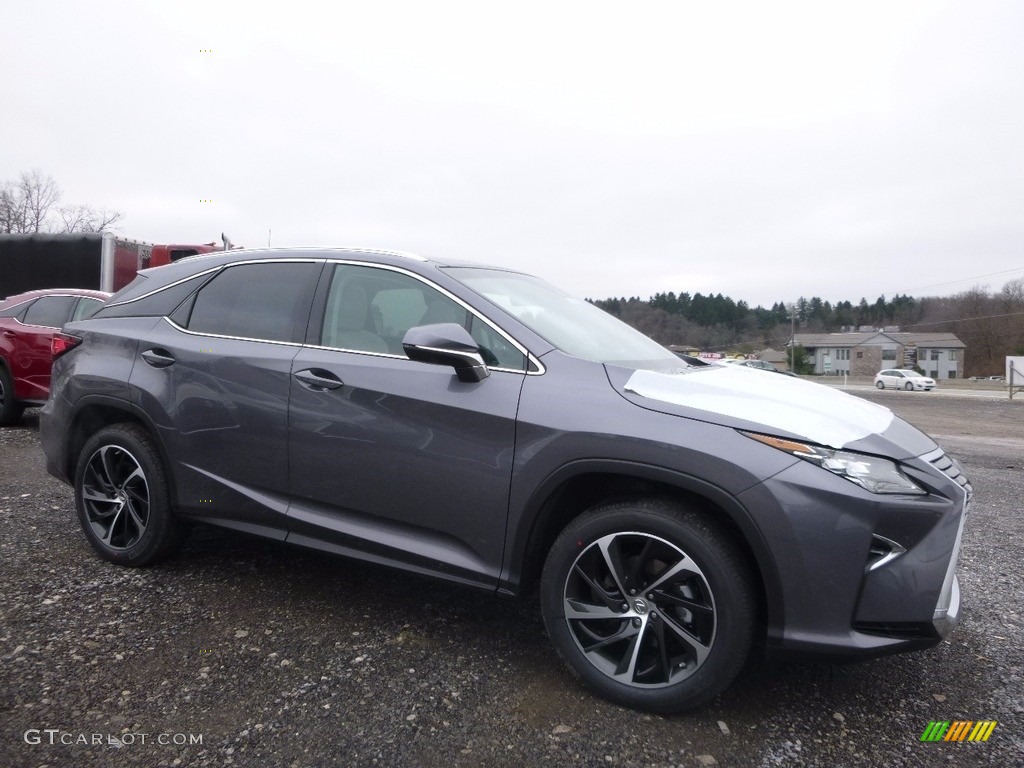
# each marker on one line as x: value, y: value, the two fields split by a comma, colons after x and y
x: 1015, y: 366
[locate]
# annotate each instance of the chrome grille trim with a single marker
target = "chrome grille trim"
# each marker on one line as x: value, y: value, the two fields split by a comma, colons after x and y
x: 951, y: 468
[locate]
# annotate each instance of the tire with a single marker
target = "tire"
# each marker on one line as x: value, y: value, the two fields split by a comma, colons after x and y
x: 695, y: 627
x: 122, y: 496
x: 10, y: 411
x: 908, y: 386
x: 880, y: 384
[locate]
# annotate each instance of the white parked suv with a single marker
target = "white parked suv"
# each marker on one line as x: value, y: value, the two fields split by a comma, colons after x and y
x: 903, y: 378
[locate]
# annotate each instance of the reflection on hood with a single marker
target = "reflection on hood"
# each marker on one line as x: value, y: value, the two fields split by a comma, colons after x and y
x: 819, y: 414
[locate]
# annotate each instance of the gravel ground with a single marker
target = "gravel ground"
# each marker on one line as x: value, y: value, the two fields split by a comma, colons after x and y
x: 272, y: 656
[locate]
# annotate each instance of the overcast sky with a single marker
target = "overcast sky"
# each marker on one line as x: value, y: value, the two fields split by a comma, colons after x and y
x: 764, y: 150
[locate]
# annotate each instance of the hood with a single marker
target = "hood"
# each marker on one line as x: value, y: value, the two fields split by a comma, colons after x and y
x: 781, y: 405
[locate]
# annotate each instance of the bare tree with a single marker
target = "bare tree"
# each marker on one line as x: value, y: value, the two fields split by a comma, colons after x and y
x: 10, y: 215
x: 1013, y: 294
x: 85, y: 218
x: 1012, y: 298
x: 27, y: 206
x: 38, y: 194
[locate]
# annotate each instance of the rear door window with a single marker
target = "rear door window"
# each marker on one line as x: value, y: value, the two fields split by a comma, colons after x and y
x: 253, y: 301
x: 50, y: 311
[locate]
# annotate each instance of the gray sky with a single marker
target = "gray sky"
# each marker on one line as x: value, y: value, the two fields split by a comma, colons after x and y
x: 761, y: 150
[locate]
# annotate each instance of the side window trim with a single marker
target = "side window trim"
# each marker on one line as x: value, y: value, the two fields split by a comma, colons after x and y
x: 208, y: 273
x: 204, y: 334
x: 533, y: 365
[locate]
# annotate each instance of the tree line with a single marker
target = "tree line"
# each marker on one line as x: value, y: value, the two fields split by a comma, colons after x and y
x: 991, y: 324
x: 31, y: 203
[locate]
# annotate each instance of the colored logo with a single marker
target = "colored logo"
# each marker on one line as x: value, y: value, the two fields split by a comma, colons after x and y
x: 959, y: 730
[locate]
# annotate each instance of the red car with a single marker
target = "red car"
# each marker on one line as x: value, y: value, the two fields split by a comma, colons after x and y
x: 28, y: 323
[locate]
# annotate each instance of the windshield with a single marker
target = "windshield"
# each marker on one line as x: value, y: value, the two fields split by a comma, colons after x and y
x: 573, y: 325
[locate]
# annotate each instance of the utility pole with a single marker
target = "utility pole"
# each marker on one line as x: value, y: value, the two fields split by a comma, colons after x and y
x: 792, y: 336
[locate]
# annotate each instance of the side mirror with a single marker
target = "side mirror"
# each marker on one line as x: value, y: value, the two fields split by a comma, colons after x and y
x: 446, y: 344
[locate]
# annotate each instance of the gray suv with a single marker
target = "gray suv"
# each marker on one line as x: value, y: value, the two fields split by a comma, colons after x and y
x: 478, y: 425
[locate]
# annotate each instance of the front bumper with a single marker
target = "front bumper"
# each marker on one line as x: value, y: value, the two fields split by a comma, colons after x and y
x: 838, y: 599
x: 947, y: 612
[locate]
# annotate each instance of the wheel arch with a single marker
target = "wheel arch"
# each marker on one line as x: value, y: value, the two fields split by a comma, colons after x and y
x: 576, y: 487
x: 95, y: 412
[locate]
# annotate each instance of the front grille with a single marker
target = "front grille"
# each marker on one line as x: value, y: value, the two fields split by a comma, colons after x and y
x: 951, y: 468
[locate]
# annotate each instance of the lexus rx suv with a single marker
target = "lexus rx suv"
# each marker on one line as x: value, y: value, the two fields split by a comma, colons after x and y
x: 28, y: 323
x: 478, y: 425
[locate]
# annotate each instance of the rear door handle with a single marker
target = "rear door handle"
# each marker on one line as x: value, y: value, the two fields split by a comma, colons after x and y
x: 9, y: 334
x: 158, y: 358
x: 318, y: 379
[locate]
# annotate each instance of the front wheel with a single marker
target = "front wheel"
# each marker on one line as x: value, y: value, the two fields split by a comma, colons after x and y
x: 122, y: 497
x: 880, y: 384
x: 650, y: 604
x: 908, y: 386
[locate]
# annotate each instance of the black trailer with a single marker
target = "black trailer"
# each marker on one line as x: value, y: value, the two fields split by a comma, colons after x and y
x: 94, y: 260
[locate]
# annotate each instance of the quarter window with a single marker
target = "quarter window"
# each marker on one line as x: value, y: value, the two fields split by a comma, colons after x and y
x: 253, y: 301
x: 14, y: 311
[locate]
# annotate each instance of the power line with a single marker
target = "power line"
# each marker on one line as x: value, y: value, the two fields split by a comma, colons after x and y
x: 966, y: 279
x: 964, y: 319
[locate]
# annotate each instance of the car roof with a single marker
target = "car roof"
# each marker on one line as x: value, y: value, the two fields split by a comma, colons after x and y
x: 21, y: 298
x: 155, y: 278
x: 380, y: 255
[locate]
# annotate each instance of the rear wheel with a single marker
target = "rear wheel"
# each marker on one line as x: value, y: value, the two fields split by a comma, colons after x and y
x: 10, y: 411
x: 122, y: 497
x: 650, y: 604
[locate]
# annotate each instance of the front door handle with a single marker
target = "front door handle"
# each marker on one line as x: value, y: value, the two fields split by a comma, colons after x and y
x: 9, y: 334
x: 158, y: 358
x: 318, y: 379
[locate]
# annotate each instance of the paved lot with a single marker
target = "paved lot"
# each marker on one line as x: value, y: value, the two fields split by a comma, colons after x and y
x: 278, y: 657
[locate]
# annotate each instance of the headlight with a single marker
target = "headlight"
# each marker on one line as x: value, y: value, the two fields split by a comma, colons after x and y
x: 871, y: 472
